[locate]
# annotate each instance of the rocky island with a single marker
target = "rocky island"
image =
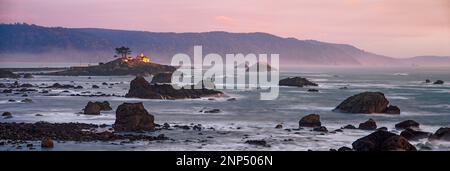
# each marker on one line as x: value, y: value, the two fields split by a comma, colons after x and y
x: 122, y: 66
x: 296, y: 81
x: 141, y: 88
x: 367, y: 103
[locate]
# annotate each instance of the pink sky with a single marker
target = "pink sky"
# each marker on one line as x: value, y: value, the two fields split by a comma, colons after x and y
x: 397, y: 28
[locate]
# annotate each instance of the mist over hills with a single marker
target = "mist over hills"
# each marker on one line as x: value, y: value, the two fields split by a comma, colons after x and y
x: 24, y: 42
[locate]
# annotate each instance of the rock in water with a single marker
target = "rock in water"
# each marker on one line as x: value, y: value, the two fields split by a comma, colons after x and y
x: 6, y: 114
x: 8, y: 74
x: 382, y: 141
x: 94, y: 108
x: 165, y: 77
x: 367, y: 102
x: 407, y: 124
x: 439, y: 82
x: 27, y: 75
x: 296, y: 81
x: 311, y: 120
x: 427, y: 81
x: 104, y: 106
x: 349, y: 127
x: 140, y: 88
x: 279, y: 126
x: 320, y: 129
x: 368, y: 125
x: 47, y: 143
x: 411, y: 134
x: 258, y: 142
x: 313, y: 90
x: 392, y: 110
x: 441, y: 134
x: 133, y: 117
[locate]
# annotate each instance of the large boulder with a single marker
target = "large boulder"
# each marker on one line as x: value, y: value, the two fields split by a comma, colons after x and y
x: 140, y: 88
x: 382, y: 141
x: 311, y: 120
x: 47, y: 142
x: 94, y: 108
x: 133, y: 117
x: 164, y: 77
x: 412, y: 134
x: 8, y: 74
x: 438, y: 82
x: 441, y: 134
x: 367, y: 102
x: 296, y: 81
x: 407, y: 124
x: 368, y: 125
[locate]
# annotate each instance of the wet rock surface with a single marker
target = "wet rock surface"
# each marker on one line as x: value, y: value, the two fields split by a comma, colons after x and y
x: 441, y: 134
x: 140, y: 88
x: 368, y: 125
x: 412, y: 134
x: 407, y: 124
x: 61, y: 131
x: 382, y: 141
x: 296, y: 81
x: 311, y: 120
x: 133, y: 117
x: 94, y: 108
x: 367, y: 103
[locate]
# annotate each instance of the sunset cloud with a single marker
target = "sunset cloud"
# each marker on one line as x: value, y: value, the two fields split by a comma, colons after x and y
x: 224, y: 20
x: 399, y: 28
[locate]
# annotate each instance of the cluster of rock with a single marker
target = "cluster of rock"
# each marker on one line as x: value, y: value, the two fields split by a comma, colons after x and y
x: 381, y: 139
x: 296, y: 81
x: 64, y: 86
x: 8, y: 74
x: 140, y: 88
x: 62, y: 132
x: 436, y: 82
x: 367, y: 103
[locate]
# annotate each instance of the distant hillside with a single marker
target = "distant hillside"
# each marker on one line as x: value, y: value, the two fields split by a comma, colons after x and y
x: 19, y: 42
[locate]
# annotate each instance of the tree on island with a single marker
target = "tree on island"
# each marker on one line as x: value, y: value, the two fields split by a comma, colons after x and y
x: 123, y: 51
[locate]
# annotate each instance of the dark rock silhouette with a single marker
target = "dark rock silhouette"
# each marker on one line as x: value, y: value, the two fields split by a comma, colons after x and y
x: 407, y: 124
x: 383, y: 141
x: 368, y: 125
x: 441, y: 134
x: 164, y: 77
x: 8, y: 74
x: 367, y: 103
x: 94, y: 108
x: 412, y: 134
x: 140, y: 88
x: 311, y: 120
x: 439, y: 82
x: 117, y: 67
x: 296, y: 81
x: 133, y: 117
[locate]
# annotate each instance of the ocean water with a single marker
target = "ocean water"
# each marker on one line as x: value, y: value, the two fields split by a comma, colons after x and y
x: 249, y: 118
